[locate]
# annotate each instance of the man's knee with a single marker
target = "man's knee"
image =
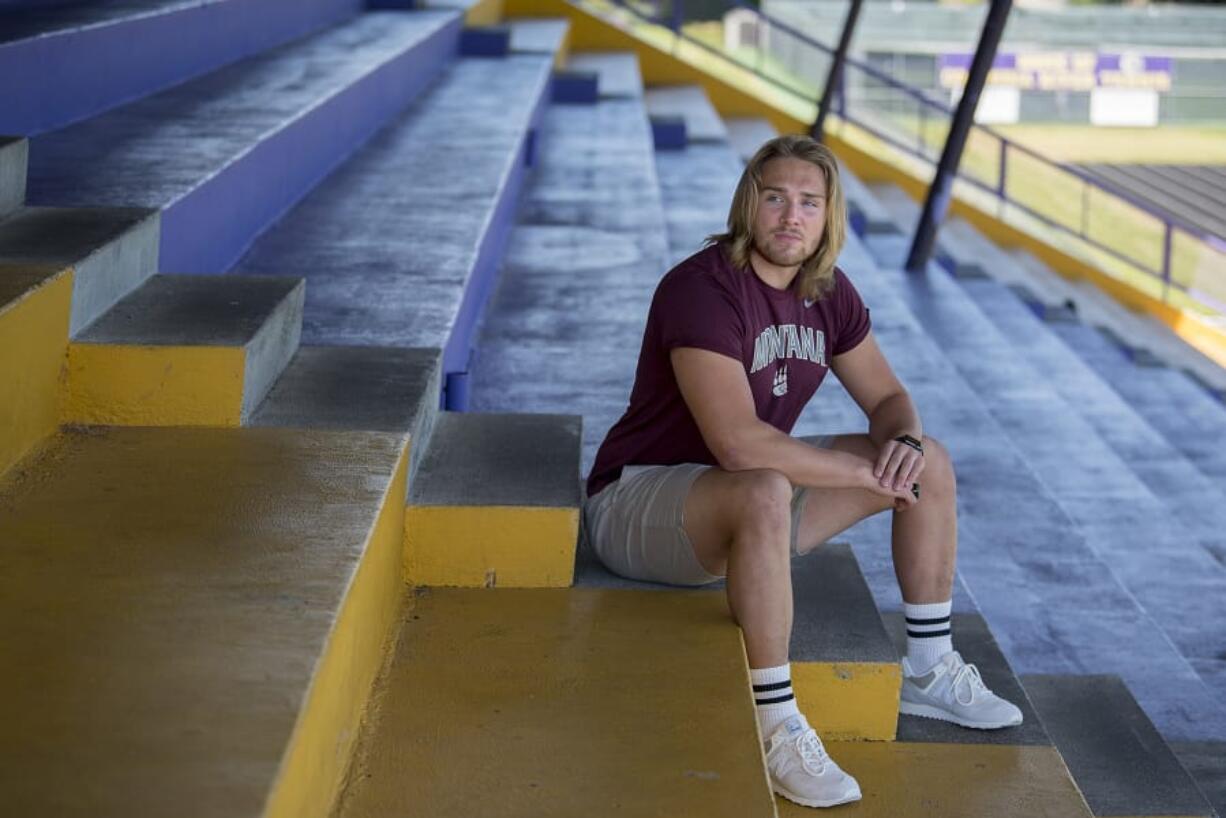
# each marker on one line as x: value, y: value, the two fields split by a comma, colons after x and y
x: 764, y: 498
x: 938, y: 466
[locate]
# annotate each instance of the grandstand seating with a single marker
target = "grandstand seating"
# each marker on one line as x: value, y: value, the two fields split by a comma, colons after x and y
x: 250, y: 565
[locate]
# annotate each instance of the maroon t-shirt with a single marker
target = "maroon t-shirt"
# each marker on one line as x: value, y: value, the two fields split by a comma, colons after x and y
x: 785, y: 343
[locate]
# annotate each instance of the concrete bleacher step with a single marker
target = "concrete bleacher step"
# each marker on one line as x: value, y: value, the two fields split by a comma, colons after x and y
x: 1153, y: 551
x: 184, y: 350
x: 400, y: 245
x: 540, y: 35
x: 1193, y: 498
x: 562, y: 702
x: 34, y: 308
x: 617, y: 72
x: 1181, y: 410
x: 698, y: 180
x: 747, y: 134
x: 865, y: 214
x: 111, y: 251
x: 83, y: 54
x: 495, y: 502
x: 198, y: 615
x: 1147, y: 340
x: 1120, y: 762
x: 1021, y: 554
x: 224, y: 155
x: 690, y: 103
x: 375, y: 389
x: 14, y: 154
x: 939, y: 769
x: 1164, y: 470
x: 590, y: 212
x: 845, y: 669
x: 378, y: 389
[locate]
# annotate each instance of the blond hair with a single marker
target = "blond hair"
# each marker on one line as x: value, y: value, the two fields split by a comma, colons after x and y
x: 816, y: 275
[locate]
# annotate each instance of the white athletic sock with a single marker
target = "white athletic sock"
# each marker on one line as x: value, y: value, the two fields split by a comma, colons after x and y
x: 928, y: 634
x: 773, y: 699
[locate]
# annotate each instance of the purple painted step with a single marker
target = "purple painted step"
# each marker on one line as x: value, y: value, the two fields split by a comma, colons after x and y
x: 62, y: 63
x: 400, y: 247
x: 225, y: 155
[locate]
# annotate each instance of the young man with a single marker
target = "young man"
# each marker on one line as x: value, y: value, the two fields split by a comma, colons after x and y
x: 700, y: 478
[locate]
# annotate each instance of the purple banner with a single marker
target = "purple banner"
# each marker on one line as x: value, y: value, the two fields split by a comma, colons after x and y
x: 1063, y: 71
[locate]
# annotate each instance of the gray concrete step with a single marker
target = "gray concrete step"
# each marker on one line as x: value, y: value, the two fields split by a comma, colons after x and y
x: 14, y: 152
x: 376, y: 389
x: 1051, y: 598
x: 864, y: 213
x: 1119, y: 760
x: 585, y: 254
x: 1155, y: 553
x: 697, y: 184
x: 112, y: 251
x: 399, y: 246
x: 1144, y: 335
x: 1193, y: 497
x: 1205, y: 761
x: 259, y: 319
x: 747, y: 134
x: 543, y: 35
x: 226, y: 154
x: 617, y: 72
x: 1187, y: 416
x: 702, y: 123
x: 1171, y: 477
x: 476, y: 459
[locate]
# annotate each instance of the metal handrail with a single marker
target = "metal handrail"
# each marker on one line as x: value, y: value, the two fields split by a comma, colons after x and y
x: 1170, y: 222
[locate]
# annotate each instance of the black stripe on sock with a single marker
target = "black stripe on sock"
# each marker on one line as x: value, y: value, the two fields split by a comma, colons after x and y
x: 776, y: 700
x: 771, y: 686
x: 925, y: 635
x: 939, y: 621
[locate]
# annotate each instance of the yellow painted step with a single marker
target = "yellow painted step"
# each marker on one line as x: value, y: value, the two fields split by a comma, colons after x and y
x: 953, y: 781
x: 185, y: 351
x: 35, y: 303
x: 191, y: 619
x: 495, y: 502
x: 562, y: 702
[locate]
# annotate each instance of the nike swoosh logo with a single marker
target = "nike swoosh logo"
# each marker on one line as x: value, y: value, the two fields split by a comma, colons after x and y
x: 809, y: 303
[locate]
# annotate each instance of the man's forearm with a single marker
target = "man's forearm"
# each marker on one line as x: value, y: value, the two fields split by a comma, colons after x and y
x: 765, y: 447
x: 895, y: 416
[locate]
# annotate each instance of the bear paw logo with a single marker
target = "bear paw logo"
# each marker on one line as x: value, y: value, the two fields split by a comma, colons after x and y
x: 781, y: 382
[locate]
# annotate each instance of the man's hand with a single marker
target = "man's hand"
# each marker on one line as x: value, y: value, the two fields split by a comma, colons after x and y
x: 897, y: 469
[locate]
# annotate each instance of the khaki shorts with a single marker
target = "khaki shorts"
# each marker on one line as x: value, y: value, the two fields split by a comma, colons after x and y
x: 636, y: 525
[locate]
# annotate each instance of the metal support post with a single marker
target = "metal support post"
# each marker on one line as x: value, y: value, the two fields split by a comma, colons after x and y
x: 937, y: 202
x: 834, y: 79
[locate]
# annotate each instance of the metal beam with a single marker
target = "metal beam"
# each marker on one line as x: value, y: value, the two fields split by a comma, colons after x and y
x: 937, y: 202
x: 834, y: 79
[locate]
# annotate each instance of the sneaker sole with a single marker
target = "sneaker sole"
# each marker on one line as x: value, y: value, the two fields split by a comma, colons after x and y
x: 927, y: 711
x: 805, y: 802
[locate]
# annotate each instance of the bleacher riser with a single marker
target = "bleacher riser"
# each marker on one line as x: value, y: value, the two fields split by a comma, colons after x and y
x: 86, y: 69
x: 457, y: 354
x: 33, y: 345
x: 14, y: 156
x: 209, y: 231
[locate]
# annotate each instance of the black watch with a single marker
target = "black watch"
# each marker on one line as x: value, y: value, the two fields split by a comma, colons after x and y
x: 907, y: 440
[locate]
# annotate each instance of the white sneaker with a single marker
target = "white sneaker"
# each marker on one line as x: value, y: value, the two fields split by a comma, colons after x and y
x: 953, y: 691
x: 801, y: 771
